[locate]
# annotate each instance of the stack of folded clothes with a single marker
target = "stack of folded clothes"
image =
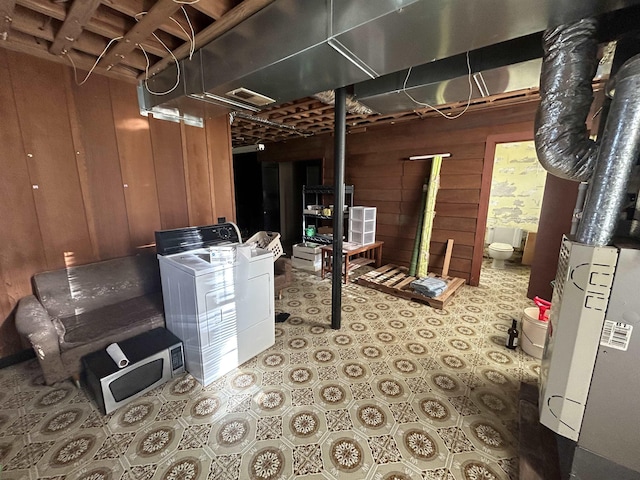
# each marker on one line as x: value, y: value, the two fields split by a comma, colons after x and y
x: 429, y: 286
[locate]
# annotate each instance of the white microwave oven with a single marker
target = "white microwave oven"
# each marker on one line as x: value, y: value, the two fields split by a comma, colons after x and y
x: 154, y: 358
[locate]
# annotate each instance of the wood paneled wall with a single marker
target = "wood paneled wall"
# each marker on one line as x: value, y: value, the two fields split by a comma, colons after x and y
x: 377, y: 165
x: 86, y: 178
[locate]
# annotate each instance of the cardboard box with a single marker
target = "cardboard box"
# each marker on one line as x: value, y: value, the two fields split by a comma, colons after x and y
x: 529, y: 248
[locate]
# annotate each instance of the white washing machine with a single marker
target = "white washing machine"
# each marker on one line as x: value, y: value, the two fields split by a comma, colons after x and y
x: 218, y: 297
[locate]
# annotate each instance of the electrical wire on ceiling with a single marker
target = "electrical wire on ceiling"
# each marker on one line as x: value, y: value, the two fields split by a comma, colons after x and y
x: 75, y: 71
x: 448, y: 117
x: 192, y: 40
x: 191, y: 37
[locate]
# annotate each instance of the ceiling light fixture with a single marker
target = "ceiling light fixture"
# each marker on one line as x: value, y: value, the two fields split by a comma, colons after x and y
x: 427, y: 157
x: 258, y: 147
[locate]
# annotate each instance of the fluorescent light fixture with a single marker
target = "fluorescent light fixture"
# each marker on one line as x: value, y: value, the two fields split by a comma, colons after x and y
x: 258, y: 147
x: 427, y: 157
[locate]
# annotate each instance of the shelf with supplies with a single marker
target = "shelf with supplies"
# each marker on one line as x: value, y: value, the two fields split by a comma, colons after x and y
x: 318, y: 212
x: 322, y: 239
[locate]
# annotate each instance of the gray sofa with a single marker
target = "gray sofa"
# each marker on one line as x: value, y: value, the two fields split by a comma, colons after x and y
x: 79, y: 310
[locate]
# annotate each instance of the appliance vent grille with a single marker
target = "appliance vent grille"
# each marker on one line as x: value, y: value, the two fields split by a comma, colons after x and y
x: 250, y: 96
x: 563, y: 269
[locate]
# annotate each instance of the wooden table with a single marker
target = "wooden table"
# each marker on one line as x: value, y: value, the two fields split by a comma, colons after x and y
x: 355, y: 255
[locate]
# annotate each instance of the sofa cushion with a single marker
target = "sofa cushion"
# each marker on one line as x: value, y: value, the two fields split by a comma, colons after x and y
x: 90, y: 327
x: 74, y: 290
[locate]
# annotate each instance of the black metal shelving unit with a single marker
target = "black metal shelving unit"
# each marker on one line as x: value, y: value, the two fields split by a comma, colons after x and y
x: 316, y: 195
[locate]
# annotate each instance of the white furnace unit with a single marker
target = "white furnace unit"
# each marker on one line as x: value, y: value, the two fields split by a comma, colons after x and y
x: 218, y: 297
x: 590, y: 375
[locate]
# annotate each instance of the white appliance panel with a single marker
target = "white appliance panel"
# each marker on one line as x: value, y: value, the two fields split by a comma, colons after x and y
x: 583, y: 285
x: 611, y: 425
x: 222, y: 311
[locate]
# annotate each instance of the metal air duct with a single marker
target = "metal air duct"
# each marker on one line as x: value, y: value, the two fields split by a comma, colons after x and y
x: 569, y: 65
x: 295, y: 48
x: 619, y: 150
x: 562, y: 142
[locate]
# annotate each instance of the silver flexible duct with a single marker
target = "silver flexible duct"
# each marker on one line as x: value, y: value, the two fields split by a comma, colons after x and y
x: 569, y: 65
x: 619, y: 150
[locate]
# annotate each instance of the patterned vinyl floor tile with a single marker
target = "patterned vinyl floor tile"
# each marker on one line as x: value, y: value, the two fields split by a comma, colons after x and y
x: 401, y: 391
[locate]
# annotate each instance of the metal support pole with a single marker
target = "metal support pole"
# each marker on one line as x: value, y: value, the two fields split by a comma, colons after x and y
x: 339, y: 135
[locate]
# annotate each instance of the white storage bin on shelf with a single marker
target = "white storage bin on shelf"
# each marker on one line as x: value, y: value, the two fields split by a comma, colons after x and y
x: 362, y: 225
x: 267, y: 241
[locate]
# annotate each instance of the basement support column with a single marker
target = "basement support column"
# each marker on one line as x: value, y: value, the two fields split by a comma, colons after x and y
x: 339, y: 135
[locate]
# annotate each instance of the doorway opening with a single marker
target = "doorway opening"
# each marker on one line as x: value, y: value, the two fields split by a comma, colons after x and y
x: 293, y: 175
x: 269, y: 195
x: 517, y: 189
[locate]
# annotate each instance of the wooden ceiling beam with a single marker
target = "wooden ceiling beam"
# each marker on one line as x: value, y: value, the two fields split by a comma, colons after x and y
x: 109, y: 26
x: 133, y: 8
x: 311, y: 111
x: 231, y: 19
x: 6, y: 17
x: 291, y: 105
x: 79, y: 15
x: 140, y: 31
x: 214, y: 8
x: 29, y: 45
x: 32, y: 23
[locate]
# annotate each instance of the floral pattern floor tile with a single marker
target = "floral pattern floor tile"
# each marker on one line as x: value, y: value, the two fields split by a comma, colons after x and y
x: 402, y: 391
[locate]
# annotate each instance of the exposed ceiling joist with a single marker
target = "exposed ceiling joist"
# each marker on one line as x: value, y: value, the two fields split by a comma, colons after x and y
x: 147, y: 25
x: 214, y: 8
x: 79, y: 15
x: 132, y: 8
x: 28, y: 44
x: 6, y: 17
x: 41, y: 27
x: 102, y: 23
x: 226, y: 23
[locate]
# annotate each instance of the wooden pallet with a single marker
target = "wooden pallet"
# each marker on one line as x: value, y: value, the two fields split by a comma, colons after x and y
x: 396, y: 281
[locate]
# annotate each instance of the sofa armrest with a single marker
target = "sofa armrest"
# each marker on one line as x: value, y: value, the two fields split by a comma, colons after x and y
x: 36, y: 326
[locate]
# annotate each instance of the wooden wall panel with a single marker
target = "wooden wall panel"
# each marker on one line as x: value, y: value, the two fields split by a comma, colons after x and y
x: 560, y: 197
x: 136, y: 165
x: 378, y: 167
x: 448, y: 182
x: 197, y: 174
x: 22, y: 252
x: 221, y: 166
x: 91, y: 157
x: 99, y: 170
x: 46, y: 134
x: 166, y: 143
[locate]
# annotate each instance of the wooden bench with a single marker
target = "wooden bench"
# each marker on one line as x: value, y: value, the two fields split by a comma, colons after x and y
x: 355, y: 255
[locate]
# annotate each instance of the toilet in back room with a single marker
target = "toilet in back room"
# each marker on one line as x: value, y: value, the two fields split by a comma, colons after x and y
x: 502, y: 241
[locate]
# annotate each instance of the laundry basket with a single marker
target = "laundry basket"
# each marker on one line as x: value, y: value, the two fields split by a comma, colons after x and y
x: 267, y: 241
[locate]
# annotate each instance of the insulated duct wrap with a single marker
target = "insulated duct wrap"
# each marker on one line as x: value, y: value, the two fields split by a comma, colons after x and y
x: 619, y: 150
x: 569, y: 65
